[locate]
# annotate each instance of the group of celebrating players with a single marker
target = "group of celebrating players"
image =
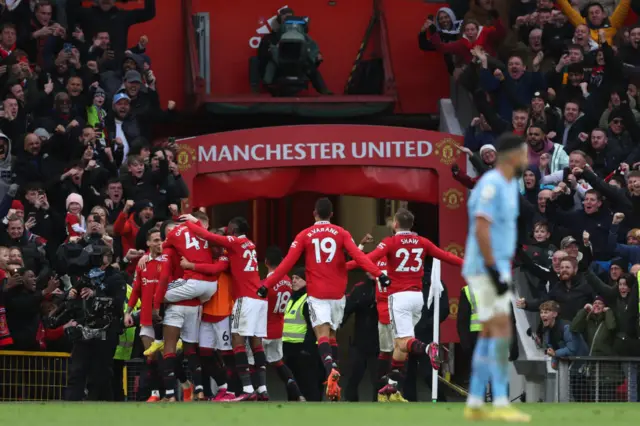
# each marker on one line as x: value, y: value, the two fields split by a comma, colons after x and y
x: 205, y: 286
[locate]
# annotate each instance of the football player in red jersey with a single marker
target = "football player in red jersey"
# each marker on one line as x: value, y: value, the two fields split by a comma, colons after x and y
x: 278, y: 300
x: 324, y: 245
x: 144, y: 287
x: 385, y: 332
x: 183, y: 301
x: 195, y: 250
x: 405, y: 253
x: 249, y: 310
x: 212, y: 332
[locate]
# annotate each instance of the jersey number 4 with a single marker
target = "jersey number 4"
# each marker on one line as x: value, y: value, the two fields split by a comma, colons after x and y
x: 252, y: 260
x: 281, y: 302
x: 406, y: 257
x: 327, y: 246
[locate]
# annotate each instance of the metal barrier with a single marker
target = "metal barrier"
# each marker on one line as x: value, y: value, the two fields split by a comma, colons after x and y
x: 598, y: 379
x: 33, y: 376
x: 43, y: 376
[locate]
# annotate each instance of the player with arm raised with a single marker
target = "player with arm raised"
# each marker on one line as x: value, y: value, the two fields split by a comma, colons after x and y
x: 491, y: 244
x: 249, y: 310
x: 324, y: 245
x: 405, y: 253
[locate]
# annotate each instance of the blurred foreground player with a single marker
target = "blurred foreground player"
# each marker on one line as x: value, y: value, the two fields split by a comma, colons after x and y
x: 491, y: 244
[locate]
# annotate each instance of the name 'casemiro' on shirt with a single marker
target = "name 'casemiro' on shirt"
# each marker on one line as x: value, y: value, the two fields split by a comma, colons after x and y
x: 315, y: 151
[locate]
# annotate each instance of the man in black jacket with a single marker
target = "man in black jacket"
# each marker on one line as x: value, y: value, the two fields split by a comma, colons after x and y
x: 93, y: 359
x: 364, y: 348
x: 106, y: 15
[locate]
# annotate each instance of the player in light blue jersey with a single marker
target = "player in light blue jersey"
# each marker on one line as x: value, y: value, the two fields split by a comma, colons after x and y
x: 491, y: 244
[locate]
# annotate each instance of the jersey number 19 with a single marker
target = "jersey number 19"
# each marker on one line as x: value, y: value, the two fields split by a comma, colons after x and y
x: 327, y: 246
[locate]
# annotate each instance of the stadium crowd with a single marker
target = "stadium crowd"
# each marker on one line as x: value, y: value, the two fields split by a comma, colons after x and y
x: 564, y: 75
x: 76, y: 158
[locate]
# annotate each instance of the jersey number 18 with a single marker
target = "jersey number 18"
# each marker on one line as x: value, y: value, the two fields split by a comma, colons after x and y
x: 281, y: 302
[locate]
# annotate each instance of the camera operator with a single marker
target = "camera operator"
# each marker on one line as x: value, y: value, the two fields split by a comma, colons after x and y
x: 288, y: 51
x: 95, y: 302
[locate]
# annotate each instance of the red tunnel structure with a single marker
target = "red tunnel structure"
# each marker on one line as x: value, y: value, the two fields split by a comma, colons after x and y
x: 371, y: 161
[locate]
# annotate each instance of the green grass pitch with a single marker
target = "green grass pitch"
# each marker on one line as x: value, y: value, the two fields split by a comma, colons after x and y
x: 299, y: 414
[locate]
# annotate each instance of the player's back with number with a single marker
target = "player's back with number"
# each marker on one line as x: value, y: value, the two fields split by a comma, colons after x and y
x: 406, y: 252
x: 243, y: 264
x: 325, y: 263
x: 193, y: 248
x: 278, y: 298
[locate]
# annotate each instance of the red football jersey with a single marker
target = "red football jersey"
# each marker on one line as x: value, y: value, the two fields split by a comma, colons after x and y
x: 193, y: 248
x: 278, y: 298
x: 243, y: 260
x: 405, y: 253
x: 326, y: 272
x: 144, y: 287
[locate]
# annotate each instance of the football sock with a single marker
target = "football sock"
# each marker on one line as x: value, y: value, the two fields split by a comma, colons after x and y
x: 499, y: 364
x: 384, y: 366
x: 416, y: 347
x: 193, y: 360
x: 219, y: 372
x: 152, y: 376
x: 480, y: 373
x: 243, y: 368
x: 324, y: 347
x: 181, y: 374
x: 261, y: 368
x: 396, y: 375
x: 229, y: 360
x: 334, y: 351
x: 157, y: 330
x: 285, y: 374
x: 169, y: 374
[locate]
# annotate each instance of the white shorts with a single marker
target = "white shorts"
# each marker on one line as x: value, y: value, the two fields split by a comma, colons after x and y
x: 487, y: 299
x: 326, y: 311
x: 272, y: 349
x: 181, y: 290
x: 249, y: 317
x: 147, y: 330
x: 405, y: 310
x: 216, y: 335
x: 186, y: 318
x: 385, y: 336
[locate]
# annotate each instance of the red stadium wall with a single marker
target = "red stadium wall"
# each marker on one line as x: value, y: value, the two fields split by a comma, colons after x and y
x: 272, y: 162
x: 338, y: 30
x: 338, y: 26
